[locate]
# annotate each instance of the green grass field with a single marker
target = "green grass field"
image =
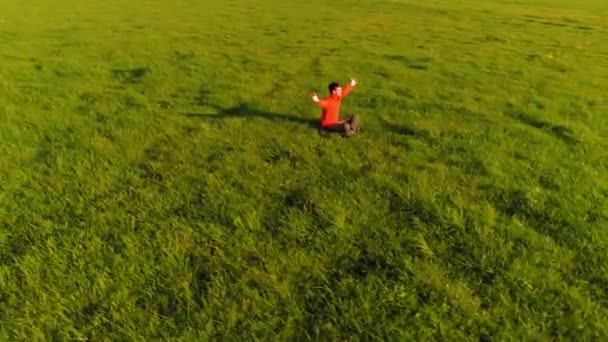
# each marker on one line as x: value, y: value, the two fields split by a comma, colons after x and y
x: 159, y: 178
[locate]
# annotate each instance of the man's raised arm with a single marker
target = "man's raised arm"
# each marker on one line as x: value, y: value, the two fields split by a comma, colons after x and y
x: 319, y: 102
x: 349, y: 87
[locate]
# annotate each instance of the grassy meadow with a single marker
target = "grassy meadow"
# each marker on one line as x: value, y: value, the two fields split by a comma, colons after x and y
x: 160, y: 178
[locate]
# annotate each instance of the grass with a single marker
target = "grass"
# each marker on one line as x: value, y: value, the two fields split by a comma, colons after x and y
x: 159, y: 178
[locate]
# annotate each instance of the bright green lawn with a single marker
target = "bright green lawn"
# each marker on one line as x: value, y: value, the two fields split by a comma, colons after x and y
x: 159, y: 179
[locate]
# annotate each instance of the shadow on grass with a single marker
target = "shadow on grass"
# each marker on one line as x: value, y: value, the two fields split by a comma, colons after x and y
x: 133, y: 75
x: 561, y: 132
x: 408, y: 131
x: 245, y: 111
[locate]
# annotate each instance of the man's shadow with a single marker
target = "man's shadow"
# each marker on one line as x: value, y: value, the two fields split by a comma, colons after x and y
x: 245, y: 111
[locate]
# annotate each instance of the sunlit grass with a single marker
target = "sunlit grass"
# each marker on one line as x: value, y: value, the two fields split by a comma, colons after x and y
x: 159, y: 177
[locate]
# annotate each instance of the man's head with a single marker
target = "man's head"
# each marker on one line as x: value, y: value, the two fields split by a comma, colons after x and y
x: 335, y: 89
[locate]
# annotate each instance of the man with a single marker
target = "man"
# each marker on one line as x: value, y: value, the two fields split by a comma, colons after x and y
x: 330, y: 117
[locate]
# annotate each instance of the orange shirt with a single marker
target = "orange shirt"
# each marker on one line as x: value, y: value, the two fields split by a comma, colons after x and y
x: 331, y: 107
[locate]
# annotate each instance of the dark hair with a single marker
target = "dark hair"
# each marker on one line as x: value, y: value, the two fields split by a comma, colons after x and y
x: 332, y: 86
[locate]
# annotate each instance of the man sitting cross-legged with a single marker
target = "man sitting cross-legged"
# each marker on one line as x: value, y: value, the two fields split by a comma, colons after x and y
x: 330, y: 117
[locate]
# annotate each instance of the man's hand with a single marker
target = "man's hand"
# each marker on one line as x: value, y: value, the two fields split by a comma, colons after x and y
x: 353, y: 82
x: 315, y: 98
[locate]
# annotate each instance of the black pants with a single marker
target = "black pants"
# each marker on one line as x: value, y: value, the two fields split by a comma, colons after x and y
x: 349, y: 126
